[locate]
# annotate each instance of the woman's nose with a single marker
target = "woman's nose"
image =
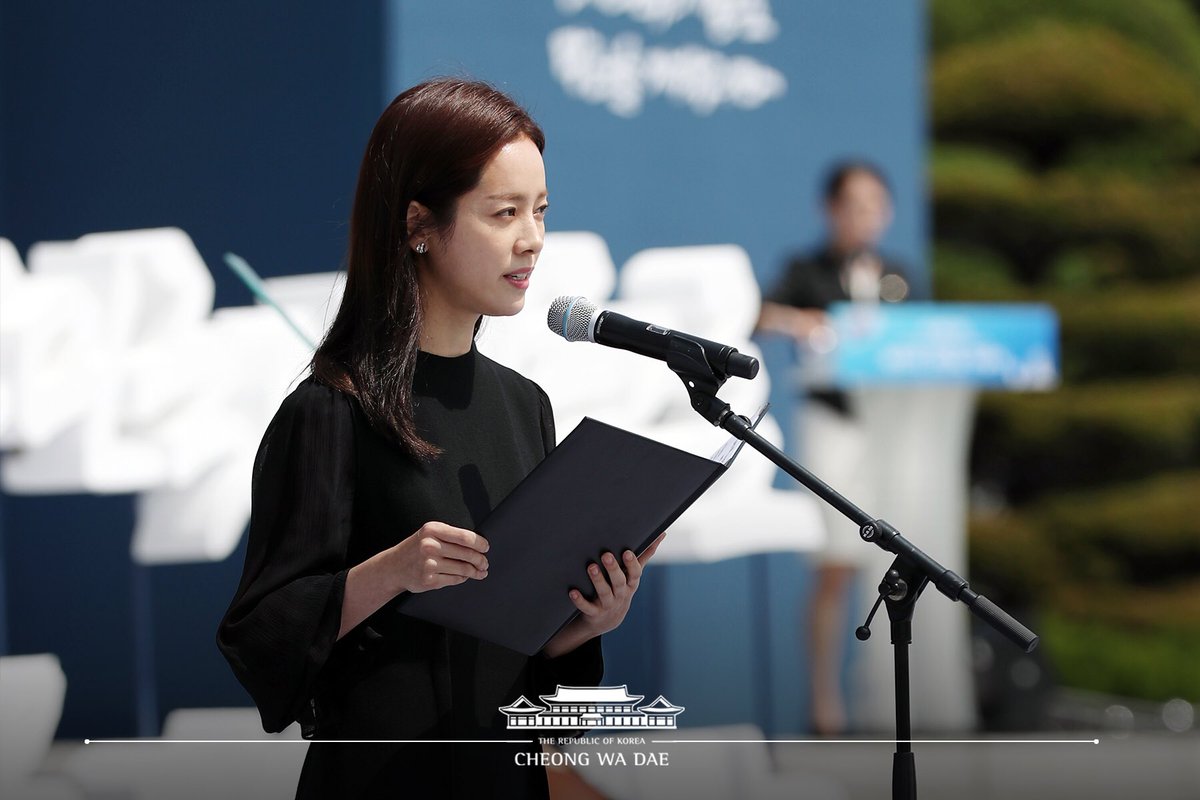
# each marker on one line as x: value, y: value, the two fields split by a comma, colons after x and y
x: 532, y: 237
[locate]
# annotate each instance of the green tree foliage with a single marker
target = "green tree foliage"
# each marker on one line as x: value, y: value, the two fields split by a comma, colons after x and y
x: 1068, y: 225
x: 1090, y: 435
x: 1066, y: 170
x: 1165, y: 27
x: 1047, y: 86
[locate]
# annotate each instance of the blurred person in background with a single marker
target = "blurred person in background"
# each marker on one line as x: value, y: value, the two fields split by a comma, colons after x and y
x: 846, y: 267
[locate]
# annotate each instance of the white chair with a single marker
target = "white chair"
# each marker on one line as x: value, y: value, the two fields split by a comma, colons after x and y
x: 711, y: 289
x: 152, y: 292
x: 174, y: 398
x: 48, y: 352
x: 32, y: 689
x: 253, y: 360
x: 155, y: 292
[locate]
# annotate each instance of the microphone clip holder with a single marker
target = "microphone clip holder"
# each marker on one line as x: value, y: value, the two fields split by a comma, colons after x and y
x: 686, y: 359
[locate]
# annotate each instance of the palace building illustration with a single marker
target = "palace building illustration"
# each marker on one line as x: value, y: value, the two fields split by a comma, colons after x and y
x: 592, y: 707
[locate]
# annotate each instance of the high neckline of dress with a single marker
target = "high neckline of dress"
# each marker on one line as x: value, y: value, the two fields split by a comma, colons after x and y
x: 449, y: 378
x: 433, y: 358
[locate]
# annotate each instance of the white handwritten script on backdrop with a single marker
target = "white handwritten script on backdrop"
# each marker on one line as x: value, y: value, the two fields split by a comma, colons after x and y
x: 623, y: 72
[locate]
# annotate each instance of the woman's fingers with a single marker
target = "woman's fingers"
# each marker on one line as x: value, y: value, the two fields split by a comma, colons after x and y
x: 649, y: 552
x: 459, y: 536
x: 445, y: 556
x: 615, y: 580
x: 434, y: 574
x: 452, y: 566
x: 616, y: 575
x: 438, y: 555
x: 586, y: 607
x: 633, y: 570
x: 438, y: 548
x: 604, y: 592
x: 619, y: 576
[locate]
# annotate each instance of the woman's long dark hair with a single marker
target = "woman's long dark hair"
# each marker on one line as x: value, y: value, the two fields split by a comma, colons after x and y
x: 430, y: 145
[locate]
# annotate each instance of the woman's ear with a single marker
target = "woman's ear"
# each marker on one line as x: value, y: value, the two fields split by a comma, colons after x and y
x: 418, y: 217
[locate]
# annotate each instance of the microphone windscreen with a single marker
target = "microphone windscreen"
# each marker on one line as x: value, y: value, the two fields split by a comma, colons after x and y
x: 571, y: 318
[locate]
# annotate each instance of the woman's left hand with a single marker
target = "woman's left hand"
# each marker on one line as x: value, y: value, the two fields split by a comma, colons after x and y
x: 614, y: 594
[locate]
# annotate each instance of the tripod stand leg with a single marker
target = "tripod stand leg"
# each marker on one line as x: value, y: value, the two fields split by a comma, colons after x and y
x: 904, y: 763
x: 904, y: 776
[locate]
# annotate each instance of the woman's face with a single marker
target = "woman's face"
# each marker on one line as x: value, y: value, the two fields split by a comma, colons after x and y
x: 860, y: 213
x: 484, y: 266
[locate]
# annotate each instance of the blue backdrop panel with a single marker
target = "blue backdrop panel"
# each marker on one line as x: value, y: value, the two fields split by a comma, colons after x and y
x: 242, y: 123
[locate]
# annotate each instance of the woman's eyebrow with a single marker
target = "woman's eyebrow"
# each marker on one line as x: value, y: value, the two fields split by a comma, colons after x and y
x: 514, y: 195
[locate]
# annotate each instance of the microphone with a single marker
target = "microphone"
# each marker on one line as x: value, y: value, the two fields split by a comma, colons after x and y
x: 578, y: 319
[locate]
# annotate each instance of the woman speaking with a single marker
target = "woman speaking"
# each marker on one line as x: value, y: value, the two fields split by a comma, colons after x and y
x: 375, y: 471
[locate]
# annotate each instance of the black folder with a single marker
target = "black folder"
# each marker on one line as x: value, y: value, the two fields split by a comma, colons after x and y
x: 603, y: 489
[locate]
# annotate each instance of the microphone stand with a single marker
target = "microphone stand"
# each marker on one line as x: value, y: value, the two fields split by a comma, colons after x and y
x: 906, y: 578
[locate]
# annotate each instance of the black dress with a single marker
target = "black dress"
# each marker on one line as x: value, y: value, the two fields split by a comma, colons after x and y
x: 328, y: 493
x: 816, y: 281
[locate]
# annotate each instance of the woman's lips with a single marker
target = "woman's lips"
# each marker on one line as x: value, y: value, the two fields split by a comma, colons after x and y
x: 519, y: 279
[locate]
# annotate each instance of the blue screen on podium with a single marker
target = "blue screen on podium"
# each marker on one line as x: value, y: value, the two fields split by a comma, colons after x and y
x: 1004, y: 346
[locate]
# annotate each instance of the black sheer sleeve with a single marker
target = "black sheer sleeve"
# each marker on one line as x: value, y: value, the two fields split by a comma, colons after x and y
x: 546, y: 412
x: 284, y: 619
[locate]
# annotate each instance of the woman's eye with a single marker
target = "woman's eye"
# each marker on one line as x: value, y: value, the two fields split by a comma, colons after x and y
x: 541, y: 210
x: 508, y: 212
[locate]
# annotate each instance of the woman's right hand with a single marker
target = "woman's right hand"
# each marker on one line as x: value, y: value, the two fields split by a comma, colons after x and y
x: 438, y: 555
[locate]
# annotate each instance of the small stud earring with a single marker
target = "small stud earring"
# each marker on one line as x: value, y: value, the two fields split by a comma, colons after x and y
x: 422, y: 248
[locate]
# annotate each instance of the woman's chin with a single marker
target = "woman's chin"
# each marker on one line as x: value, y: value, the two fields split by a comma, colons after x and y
x: 509, y: 309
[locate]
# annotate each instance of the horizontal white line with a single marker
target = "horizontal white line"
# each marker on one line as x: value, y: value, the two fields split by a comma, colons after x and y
x: 305, y: 741
x: 651, y: 741
x: 875, y: 741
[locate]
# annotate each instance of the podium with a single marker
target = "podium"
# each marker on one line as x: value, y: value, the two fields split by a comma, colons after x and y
x: 913, y: 372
